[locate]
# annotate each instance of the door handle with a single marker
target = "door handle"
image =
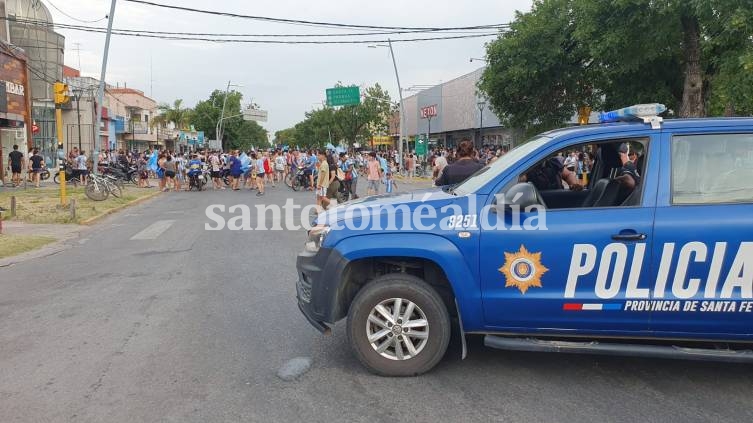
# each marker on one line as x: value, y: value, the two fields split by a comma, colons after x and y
x: 629, y: 237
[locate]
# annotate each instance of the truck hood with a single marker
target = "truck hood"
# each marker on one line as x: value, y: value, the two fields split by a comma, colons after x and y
x: 436, y: 196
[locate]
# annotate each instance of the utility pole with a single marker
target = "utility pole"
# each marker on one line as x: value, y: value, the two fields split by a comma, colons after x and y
x: 101, y: 91
x: 60, y: 98
x: 222, y: 115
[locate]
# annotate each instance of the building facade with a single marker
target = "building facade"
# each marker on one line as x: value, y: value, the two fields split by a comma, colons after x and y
x: 15, y: 103
x: 29, y: 27
x: 80, y: 113
x: 137, y: 111
x: 453, y: 111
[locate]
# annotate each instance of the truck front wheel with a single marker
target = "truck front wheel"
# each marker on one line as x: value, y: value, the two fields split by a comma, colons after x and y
x: 398, y: 326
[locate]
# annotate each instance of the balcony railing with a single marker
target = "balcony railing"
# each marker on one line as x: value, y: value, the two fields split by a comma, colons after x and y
x: 139, y: 127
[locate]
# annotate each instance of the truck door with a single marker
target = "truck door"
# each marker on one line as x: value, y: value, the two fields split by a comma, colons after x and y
x: 703, y: 250
x: 574, y: 274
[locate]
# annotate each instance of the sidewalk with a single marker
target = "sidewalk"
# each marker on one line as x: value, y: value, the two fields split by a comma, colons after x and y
x: 47, y: 239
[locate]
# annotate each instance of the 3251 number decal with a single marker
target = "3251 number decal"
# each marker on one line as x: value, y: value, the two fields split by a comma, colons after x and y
x: 462, y: 221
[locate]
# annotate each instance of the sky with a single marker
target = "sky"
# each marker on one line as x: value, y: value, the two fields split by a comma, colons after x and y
x: 285, y: 80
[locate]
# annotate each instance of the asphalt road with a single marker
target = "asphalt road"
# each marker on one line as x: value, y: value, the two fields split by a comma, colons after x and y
x: 186, y: 325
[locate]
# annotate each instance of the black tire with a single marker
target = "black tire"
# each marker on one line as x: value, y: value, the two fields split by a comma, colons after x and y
x: 96, y: 193
x: 116, y: 190
x: 134, y: 178
x: 341, y: 197
x: 399, y: 285
x: 44, y: 175
x: 69, y: 179
x: 226, y: 180
x: 295, y: 185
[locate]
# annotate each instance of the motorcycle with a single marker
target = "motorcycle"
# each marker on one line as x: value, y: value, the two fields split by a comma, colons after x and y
x: 124, y: 173
x: 225, y: 176
x: 197, y: 180
x: 300, y: 180
x: 69, y: 177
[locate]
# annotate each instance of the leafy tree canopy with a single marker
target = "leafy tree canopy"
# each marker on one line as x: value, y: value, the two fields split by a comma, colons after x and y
x: 346, y: 123
x: 695, y: 56
x: 237, y: 133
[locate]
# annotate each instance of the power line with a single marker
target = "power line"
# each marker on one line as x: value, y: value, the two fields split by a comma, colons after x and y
x: 298, y: 21
x: 247, y: 41
x: 74, y: 18
x: 215, y: 34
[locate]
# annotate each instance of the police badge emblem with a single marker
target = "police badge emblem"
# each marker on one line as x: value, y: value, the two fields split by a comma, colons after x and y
x: 523, y: 269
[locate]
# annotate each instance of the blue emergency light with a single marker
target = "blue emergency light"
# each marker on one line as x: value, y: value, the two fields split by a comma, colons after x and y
x: 638, y: 111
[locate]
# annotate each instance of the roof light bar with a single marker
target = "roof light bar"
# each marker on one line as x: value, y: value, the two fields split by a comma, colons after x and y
x: 646, y: 112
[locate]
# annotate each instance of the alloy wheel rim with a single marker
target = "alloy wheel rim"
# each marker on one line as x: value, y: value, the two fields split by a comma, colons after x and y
x: 397, y: 329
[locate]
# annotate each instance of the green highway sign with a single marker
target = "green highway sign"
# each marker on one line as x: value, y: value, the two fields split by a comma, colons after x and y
x: 420, y: 146
x: 343, y: 96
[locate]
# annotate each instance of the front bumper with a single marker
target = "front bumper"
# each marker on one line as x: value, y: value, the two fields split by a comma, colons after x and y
x: 317, y: 287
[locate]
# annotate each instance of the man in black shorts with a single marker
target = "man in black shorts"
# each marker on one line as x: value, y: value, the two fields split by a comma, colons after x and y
x: 37, y: 164
x: 16, y: 159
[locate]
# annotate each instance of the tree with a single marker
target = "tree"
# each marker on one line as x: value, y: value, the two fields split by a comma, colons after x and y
x: 539, y: 73
x: 176, y: 114
x: 688, y: 54
x: 285, y: 137
x: 237, y: 133
x: 362, y: 120
x: 347, y: 123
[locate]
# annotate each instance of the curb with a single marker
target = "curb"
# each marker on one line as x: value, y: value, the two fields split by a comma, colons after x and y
x: 93, y: 219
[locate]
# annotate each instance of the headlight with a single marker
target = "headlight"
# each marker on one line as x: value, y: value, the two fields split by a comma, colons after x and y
x: 316, y: 238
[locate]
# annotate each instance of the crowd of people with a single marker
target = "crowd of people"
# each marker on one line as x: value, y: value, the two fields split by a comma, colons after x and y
x: 323, y: 171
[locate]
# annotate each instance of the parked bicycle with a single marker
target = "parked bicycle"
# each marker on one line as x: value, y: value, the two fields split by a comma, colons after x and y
x: 100, y: 187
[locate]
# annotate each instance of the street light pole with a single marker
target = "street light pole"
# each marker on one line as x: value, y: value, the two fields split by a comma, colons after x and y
x: 402, y: 112
x: 481, y: 106
x: 77, y: 96
x: 101, y: 91
x: 219, y: 128
x: 222, y: 114
x: 400, y: 91
x: 428, y: 134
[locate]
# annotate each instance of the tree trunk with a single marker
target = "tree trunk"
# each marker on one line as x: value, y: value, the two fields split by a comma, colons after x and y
x: 729, y: 109
x: 692, y: 93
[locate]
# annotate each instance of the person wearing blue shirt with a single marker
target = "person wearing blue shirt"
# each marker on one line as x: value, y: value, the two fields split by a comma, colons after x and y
x: 194, y: 166
x: 235, y: 169
x: 311, y: 168
x: 383, y: 164
x: 347, y: 165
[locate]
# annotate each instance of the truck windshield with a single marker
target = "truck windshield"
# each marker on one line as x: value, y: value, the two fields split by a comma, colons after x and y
x: 489, y: 172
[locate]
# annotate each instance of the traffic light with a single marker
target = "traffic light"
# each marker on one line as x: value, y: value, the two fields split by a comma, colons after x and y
x: 61, y: 93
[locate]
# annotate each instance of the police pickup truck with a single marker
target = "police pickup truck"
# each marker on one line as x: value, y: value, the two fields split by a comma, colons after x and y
x: 648, y: 257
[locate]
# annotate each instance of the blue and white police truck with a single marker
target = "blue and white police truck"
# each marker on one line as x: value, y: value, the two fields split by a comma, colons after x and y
x: 649, y: 255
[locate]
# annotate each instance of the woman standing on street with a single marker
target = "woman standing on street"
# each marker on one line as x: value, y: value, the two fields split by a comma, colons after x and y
x: 161, y: 170
x: 260, y: 172
x: 235, y: 169
x: 170, y: 166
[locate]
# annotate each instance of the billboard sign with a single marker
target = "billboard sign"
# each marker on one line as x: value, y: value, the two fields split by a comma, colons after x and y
x: 429, y: 111
x: 255, y: 115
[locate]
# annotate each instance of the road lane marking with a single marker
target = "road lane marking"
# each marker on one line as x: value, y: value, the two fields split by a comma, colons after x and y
x: 153, y: 231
